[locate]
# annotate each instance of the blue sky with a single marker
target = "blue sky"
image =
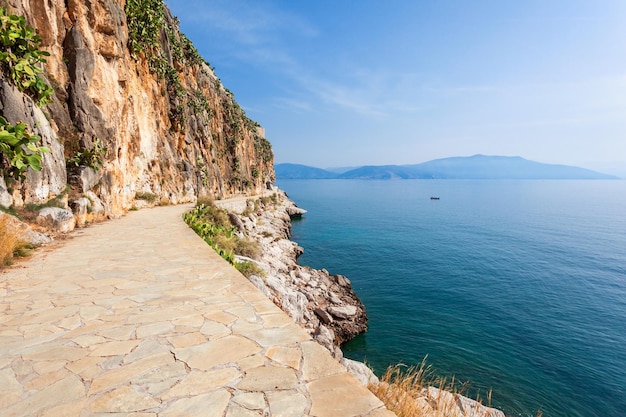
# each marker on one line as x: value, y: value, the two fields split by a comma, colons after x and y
x: 348, y: 83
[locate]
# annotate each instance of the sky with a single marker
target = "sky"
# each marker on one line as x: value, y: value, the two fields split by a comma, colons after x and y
x: 370, y: 82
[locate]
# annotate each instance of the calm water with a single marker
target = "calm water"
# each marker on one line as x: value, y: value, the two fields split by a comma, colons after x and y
x: 519, y: 286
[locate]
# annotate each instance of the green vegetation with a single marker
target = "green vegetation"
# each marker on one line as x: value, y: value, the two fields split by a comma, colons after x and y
x: 20, y: 60
x: 19, y: 150
x: 263, y: 149
x: 20, y: 57
x: 145, y: 21
x: 92, y: 157
x: 212, y: 224
x: 146, y: 26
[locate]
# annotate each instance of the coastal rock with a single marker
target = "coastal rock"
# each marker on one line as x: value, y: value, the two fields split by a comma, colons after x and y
x: 293, y: 211
x: 323, y: 315
x: 462, y: 406
x: 360, y: 371
x: 58, y: 219
x: 344, y: 312
x: 324, y: 304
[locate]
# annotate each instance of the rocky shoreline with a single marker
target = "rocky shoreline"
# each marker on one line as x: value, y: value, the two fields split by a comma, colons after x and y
x: 323, y: 303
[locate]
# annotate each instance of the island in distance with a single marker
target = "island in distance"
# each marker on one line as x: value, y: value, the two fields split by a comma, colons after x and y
x: 470, y: 167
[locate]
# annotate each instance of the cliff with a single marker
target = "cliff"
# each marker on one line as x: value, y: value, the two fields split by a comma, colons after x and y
x: 136, y: 114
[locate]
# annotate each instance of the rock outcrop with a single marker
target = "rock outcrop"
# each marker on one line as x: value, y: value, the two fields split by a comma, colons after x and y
x: 24, y: 230
x: 136, y: 112
x: 325, y: 304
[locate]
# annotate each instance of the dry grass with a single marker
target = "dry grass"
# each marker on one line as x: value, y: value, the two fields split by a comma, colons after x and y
x: 10, y: 243
x: 416, y: 392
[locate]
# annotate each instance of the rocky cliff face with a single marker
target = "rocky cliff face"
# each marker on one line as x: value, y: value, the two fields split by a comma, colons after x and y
x: 133, y: 91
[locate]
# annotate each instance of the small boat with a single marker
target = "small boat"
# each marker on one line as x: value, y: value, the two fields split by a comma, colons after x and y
x: 434, y: 198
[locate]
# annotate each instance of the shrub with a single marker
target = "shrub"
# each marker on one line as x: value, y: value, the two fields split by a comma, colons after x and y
x: 19, y: 150
x: 212, y: 224
x: 142, y: 195
x: 145, y: 21
x: 248, y: 269
x: 10, y: 243
x: 246, y: 247
x: 92, y: 157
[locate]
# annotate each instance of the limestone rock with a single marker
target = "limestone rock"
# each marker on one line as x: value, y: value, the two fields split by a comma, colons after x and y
x: 25, y: 232
x: 6, y: 199
x: 463, y: 406
x: 360, y: 371
x: 343, y: 312
x: 325, y: 304
x: 58, y: 219
x: 295, y: 211
x: 175, y: 141
x: 39, y: 186
x: 80, y: 208
x: 323, y: 315
x: 89, y: 177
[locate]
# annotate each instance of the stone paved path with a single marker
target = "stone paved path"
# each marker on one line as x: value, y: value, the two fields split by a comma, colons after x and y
x: 139, y: 317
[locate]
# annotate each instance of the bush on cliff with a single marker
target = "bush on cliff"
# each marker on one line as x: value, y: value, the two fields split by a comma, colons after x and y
x: 212, y: 224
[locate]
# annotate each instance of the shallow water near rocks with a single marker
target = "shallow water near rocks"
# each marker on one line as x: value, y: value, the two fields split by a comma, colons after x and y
x: 519, y: 286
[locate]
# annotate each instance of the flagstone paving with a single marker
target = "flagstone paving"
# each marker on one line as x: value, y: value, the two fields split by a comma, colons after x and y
x: 139, y: 317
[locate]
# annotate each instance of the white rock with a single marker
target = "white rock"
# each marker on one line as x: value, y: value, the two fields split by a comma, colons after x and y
x: 343, y: 312
x: 79, y: 207
x: 360, y: 371
x: 59, y: 219
x: 6, y: 199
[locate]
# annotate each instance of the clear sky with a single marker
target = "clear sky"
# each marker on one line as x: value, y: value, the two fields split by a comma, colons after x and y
x: 372, y: 82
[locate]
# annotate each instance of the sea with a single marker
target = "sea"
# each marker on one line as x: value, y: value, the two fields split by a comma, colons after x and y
x: 518, y: 287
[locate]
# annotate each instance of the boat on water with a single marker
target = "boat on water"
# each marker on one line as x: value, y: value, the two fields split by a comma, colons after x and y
x: 434, y: 198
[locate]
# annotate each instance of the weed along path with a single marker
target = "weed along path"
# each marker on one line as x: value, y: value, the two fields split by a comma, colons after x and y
x: 139, y: 317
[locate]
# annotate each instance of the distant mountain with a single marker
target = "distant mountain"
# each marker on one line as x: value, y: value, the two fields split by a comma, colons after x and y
x: 385, y: 172
x: 502, y: 167
x: 301, y: 172
x: 470, y: 167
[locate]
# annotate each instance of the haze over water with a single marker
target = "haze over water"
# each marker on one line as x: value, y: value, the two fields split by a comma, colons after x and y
x: 519, y: 286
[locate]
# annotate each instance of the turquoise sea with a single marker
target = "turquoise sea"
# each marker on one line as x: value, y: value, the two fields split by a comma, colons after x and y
x: 518, y: 286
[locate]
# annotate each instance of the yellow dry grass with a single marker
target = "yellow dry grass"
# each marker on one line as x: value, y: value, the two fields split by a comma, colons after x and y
x: 416, y: 392
x: 10, y: 243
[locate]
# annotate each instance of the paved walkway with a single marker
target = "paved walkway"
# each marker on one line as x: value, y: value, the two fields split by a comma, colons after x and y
x: 139, y: 317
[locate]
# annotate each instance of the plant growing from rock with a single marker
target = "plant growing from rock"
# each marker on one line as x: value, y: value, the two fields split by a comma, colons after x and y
x: 92, y: 157
x: 20, y: 57
x: 19, y: 149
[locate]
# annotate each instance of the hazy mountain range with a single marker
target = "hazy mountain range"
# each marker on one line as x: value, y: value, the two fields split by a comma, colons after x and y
x: 470, y: 167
